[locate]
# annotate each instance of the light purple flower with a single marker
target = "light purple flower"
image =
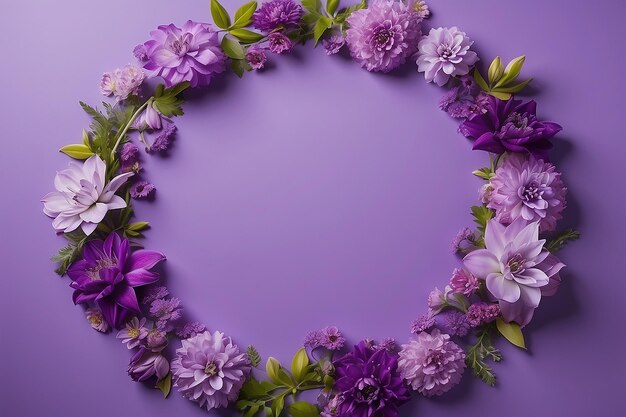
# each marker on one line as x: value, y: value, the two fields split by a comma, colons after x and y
x: 190, y: 329
x: 463, y: 282
x: 331, y: 407
x: 515, y: 267
x: 166, y: 311
x: 140, y: 52
x: 420, y: 8
x: 155, y: 293
x: 122, y: 82
x: 277, y: 14
x: 313, y: 339
x: 449, y: 98
x: 279, y: 43
x: 333, y: 44
x: 96, y: 320
x: 82, y: 198
x: 423, y: 323
x: 431, y: 363
x: 526, y: 187
x: 150, y: 118
x: 156, y: 340
x: 436, y: 300
x: 164, y: 138
x: 134, y: 333
x: 463, y: 235
x: 146, y: 364
x: 383, y: 35
x: 142, y: 189
x: 331, y: 338
x: 191, y: 53
x: 210, y: 370
x: 256, y: 58
x: 445, y: 52
x: 389, y: 344
x: 129, y: 152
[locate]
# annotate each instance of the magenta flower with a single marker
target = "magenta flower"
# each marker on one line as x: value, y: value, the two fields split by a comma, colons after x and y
x: 463, y: 282
x: 510, y: 126
x: 528, y: 188
x: 481, y: 313
x: 210, y: 370
x: 431, y: 363
x: 383, y: 35
x: 445, y: 53
x: 256, y: 57
x: 191, y: 53
x: 277, y: 14
x: 142, y: 189
x: 515, y: 267
x: 134, y: 333
x: 279, y: 43
x: 108, y: 274
x: 146, y: 364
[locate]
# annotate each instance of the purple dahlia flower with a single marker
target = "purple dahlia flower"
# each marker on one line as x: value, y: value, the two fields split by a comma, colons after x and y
x: 210, y: 370
x: 382, y: 36
x: 256, y: 57
x: 528, y: 188
x: 510, y: 126
x: 368, y: 383
x: 333, y: 44
x: 279, y: 43
x: 431, y: 363
x: 108, y: 274
x: 191, y: 53
x: 277, y: 14
x: 145, y: 364
x: 445, y: 53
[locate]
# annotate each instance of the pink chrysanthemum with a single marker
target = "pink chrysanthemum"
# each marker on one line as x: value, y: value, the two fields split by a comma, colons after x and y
x: 210, y: 370
x: 431, y: 363
x: 528, y: 188
x: 382, y: 36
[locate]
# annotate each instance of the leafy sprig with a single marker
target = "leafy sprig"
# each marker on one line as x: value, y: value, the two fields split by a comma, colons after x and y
x: 500, y: 80
x: 479, y: 352
x: 558, y: 242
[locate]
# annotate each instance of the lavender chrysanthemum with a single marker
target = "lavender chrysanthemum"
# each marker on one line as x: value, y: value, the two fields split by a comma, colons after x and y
x: 279, y: 43
x: 431, y: 363
x: 369, y: 383
x: 142, y: 189
x: 134, y: 333
x: 277, y: 14
x: 333, y: 44
x: 256, y: 57
x: 164, y: 138
x: 191, y: 53
x: 96, y: 320
x: 423, y: 323
x: 313, y: 339
x: 420, y: 8
x: 383, y: 35
x: 528, y: 188
x: 155, y: 293
x: 210, y: 370
x: 331, y: 338
x: 122, y: 82
x: 463, y: 282
x: 445, y: 53
x: 156, y: 339
x: 190, y: 329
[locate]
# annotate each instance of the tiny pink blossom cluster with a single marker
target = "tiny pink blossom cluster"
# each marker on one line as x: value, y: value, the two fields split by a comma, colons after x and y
x: 122, y: 82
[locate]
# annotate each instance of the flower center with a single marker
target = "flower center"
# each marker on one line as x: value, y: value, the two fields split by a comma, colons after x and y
x: 383, y: 38
x: 94, y: 273
x: 532, y: 192
x: 366, y: 390
x: 210, y: 369
x: 95, y: 320
x: 516, y: 264
x: 180, y: 46
x: 133, y: 333
x: 444, y: 51
x: 435, y: 357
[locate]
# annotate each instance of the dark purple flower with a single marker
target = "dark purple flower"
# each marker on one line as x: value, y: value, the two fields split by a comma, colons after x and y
x: 276, y: 14
x: 129, y: 152
x: 145, y: 364
x: 510, y: 126
x: 108, y: 274
x: 190, y: 330
x: 155, y: 293
x: 142, y: 189
x: 454, y: 323
x: 162, y: 141
x: 369, y: 383
x: 333, y: 44
x: 423, y: 322
x: 256, y: 57
x: 449, y: 98
x: 279, y: 43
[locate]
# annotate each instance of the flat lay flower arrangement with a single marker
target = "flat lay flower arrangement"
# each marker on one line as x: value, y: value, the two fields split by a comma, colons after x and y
x: 508, y: 258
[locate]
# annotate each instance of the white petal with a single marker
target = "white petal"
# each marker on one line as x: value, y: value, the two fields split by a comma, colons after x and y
x: 95, y: 213
x: 502, y: 288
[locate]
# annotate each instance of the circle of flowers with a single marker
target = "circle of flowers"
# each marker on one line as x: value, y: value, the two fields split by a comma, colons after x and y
x: 508, y: 262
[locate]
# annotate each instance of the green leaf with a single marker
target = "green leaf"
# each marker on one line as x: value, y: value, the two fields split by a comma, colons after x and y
x: 166, y: 100
x: 331, y: 6
x: 321, y: 26
x: 501, y: 96
x: 496, y: 70
x: 232, y: 48
x: 246, y: 36
x: 255, y: 390
x: 165, y: 385
x: 485, y: 173
x: 329, y: 382
x: 85, y: 138
x: 313, y: 6
x: 220, y: 15
x: 238, y: 66
x: 272, y: 366
x: 482, y: 215
x: 514, y: 88
x: 511, y: 332
x: 278, y: 405
x: 477, y: 353
x: 512, y: 71
x: 253, y: 355
x: 252, y: 411
x: 243, y: 15
x: 299, y: 365
x: 77, y: 151
x: 480, y: 80
x: 269, y: 412
x: 138, y: 226
x: 303, y: 409
x: 557, y: 243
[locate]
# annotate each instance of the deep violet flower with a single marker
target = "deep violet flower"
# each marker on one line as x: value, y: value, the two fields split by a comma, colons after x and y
x: 96, y: 320
x: 256, y: 57
x: 279, y: 43
x: 277, y: 14
x: 146, y: 364
x: 134, y: 333
x: 515, y: 266
x: 129, y: 152
x: 454, y: 323
x: 431, y: 363
x: 191, y: 53
x: 142, y: 189
x: 82, y: 198
x: 154, y: 293
x: 528, y: 188
x: 510, y: 126
x: 210, y: 370
x: 108, y: 274
x: 481, y: 313
x: 164, y: 138
x: 381, y: 36
x: 369, y: 384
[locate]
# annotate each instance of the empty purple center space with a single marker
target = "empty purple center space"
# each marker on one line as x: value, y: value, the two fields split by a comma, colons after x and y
x: 312, y: 194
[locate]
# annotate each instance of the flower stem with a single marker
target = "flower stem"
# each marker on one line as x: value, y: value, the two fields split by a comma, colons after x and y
x: 127, y: 126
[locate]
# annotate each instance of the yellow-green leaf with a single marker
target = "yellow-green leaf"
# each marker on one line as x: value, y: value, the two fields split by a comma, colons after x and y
x: 496, y: 70
x: 165, y: 385
x: 299, y: 365
x: 85, y: 138
x: 245, y: 35
x: 77, y: 151
x: 303, y: 409
x: 232, y: 48
x: 331, y: 6
x: 514, y: 88
x: 480, y: 80
x: 243, y: 15
x: 511, y: 332
x: 501, y: 96
x: 512, y: 71
x: 220, y: 15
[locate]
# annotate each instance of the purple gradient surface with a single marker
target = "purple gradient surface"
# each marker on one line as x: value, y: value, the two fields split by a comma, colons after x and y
x: 314, y: 193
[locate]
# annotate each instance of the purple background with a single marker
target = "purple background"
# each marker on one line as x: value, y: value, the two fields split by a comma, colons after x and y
x: 312, y: 194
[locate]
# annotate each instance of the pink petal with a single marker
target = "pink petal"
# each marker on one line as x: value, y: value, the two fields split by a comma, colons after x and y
x: 481, y: 263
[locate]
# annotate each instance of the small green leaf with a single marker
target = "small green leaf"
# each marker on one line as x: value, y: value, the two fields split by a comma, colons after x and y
x: 496, y: 70
x: 511, y: 332
x: 232, y: 48
x: 313, y: 6
x: 238, y: 66
x: 138, y: 226
x: 501, y: 96
x: 514, y: 88
x: 254, y: 356
x: 321, y: 26
x: 331, y: 6
x: 563, y: 238
x: 252, y: 411
x: 272, y: 368
x: 166, y: 100
x: 165, y: 385
x: 243, y: 15
x: 484, y: 173
x: 480, y: 80
x: 299, y: 365
x: 246, y: 36
x: 78, y: 151
x: 512, y: 71
x: 303, y: 409
x: 269, y: 412
x: 220, y: 15
x: 481, y: 215
x: 329, y: 382
x: 85, y: 138
x: 278, y: 405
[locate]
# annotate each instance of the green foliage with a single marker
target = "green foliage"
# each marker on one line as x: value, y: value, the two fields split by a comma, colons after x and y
x: 135, y: 229
x: 511, y: 332
x: 246, y: 36
x: 500, y: 80
x: 481, y: 215
x: 303, y: 409
x: 243, y: 15
x: 323, y: 20
x: 71, y: 252
x: 165, y: 385
x: 485, y: 173
x: 253, y: 355
x: 77, y: 151
x: 232, y: 48
x: 166, y: 100
x: 220, y: 15
x: 479, y: 352
x: 562, y: 239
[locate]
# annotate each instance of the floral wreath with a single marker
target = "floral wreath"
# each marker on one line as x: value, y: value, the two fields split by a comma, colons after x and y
x: 506, y: 267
